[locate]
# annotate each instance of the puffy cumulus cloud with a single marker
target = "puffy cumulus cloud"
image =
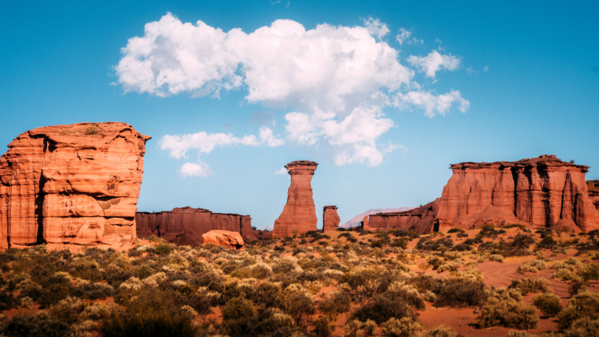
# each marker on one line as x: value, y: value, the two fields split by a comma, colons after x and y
x: 431, y: 104
x: 335, y: 79
x: 281, y: 171
x: 198, y: 170
x: 434, y: 62
x: 283, y: 65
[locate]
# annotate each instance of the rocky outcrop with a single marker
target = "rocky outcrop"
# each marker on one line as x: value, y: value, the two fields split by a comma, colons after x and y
x: 223, y: 238
x: 358, y: 219
x: 593, y: 187
x: 330, y: 219
x: 538, y: 192
x: 419, y: 219
x: 71, y: 186
x: 299, y: 214
x: 187, y: 225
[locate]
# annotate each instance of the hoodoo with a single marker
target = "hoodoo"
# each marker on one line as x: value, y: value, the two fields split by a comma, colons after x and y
x: 299, y: 214
x: 186, y: 226
x: 538, y: 192
x: 330, y: 219
x: 71, y: 186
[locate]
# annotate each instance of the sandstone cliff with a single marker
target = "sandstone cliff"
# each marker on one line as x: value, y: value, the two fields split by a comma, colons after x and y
x: 538, y: 192
x: 187, y: 225
x: 593, y: 187
x: 299, y: 214
x: 419, y: 219
x: 330, y: 219
x: 71, y: 185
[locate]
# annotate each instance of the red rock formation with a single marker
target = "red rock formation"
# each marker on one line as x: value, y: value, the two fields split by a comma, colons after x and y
x: 299, y: 214
x: 538, y: 192
x: 419, y: 219
x: 593, y: 187
x: 330, y: 219
x: 223, y: 238
x: 186, y: 225
x: 71, y: 185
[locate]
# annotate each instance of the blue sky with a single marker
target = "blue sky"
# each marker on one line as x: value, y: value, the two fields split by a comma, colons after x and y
x: 526, y: 75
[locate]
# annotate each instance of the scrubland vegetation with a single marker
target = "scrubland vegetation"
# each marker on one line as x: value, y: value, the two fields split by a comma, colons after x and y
x: 342, y: 284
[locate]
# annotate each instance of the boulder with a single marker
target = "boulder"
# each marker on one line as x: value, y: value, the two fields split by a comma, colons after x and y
x: 71, y: 186
x: 224, y: 238
x: 188, y: 224
x: 330, y: 219
x: 299, y: 214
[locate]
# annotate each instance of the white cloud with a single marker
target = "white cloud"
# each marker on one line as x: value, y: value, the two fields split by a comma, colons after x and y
x: 335, y: 79
x: 432, y: 104
x: 403, y: 35
x: 281, y: 171
x: 487, y: 69
x: 434, y: 62
x: 198, y: 170
x: 376, y: 27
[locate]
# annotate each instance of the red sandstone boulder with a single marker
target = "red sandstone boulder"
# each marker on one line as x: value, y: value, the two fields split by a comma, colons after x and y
x: 71, y: 185
x: 188, y: 224
x: 330, y: 219
x: 299, y: 214
x: 223, y: 238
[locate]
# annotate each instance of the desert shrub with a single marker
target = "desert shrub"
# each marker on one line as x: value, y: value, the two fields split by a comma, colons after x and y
x: 566, y: 275
x: 575, y: 287
x: 94, y: 291
x: 583, y: 327
x: 532, y: 266
x: 461, y: 247
x: 519, y: 245
x: 502, y: 308
x: 322, y: 327
x: 583, y: 304
x: 549, y: 303
x: 516, y: 333
x: 459, y: 292
x: 380, y: 309
x: 352, y: 328
x: 547, y: 242
x: 34, y: 326
x: 152, y: 312
x: 284, y: 266
x: 404, y: 327
x: 530, y: 285
x: 435, y: 262
x: 440, y: 331
x: 7, y: 300
x: 406, y: 293
x: 426, y: 243
x: 590, y: 272
x: 401, y: 243
x: 92, y: 130
x: 297, y: 302
x: 455, y: 230
x: 164, y: 248
x: 338, y: 303
x: 496, y: 258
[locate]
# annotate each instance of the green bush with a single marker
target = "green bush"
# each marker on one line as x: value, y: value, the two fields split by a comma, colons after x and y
x: 164, y: 248
x: 460, y: 292
x: 530, y: 285
x: 590, y: 272
x: 440, y: 331
x: 404, y: 327
x: 584, y: 304
x: 549, y: 303
x: 507, y: 312
x: 34, y: 326
x: 380, y: 309
x: 322, y: 328
x: 583, y: 327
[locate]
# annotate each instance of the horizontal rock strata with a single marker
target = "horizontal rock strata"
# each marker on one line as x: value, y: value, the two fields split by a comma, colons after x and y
x: 187, y: 225
x: 538, y: 192
x: 71, y: 186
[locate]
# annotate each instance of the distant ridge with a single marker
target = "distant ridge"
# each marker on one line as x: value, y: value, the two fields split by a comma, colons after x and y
x: 355, y: 221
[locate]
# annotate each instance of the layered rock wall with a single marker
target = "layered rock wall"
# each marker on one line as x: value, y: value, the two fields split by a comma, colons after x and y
x: 538, y: 192
x: 71, y: 185
x: 330, y: 219
x: 299, y: 214
x: 187, y: 225
x: 593, y: 187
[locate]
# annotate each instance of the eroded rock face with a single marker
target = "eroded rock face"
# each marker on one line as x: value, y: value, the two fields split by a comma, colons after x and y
x: 224, y: 238
x: 419, y: 219
x: 593, y: 187
x: 330, y: 219
x: 187, y: 225
x: 538, y: 192
x: 71, y: 185
x: 299, y: 214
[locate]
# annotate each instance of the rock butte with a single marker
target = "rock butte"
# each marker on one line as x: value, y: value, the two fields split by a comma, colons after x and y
x: 299, y: 214
x: 537, y: 192
x: 224, y: 238
x: 186, y: 226
x: 71, y: 185
x: 593, y: 186
x: 330, y: 219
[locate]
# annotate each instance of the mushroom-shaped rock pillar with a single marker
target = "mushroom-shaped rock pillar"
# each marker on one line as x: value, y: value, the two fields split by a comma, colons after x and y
x: 330, y: 219
x: 299, y: 214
